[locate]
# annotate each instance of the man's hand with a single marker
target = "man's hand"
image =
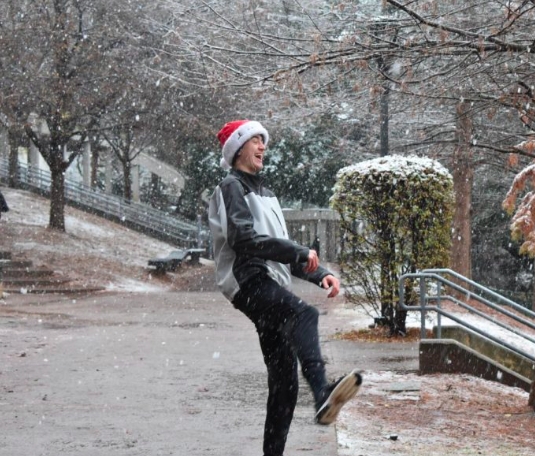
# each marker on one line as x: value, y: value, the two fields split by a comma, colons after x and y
x: 312, y: 262
x: 331, y: 281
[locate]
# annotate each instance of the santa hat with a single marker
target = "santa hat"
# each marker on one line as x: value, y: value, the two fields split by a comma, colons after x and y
x: 235, y: 134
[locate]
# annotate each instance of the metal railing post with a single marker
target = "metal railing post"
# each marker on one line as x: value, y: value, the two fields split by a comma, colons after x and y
x: 439, y: 317
x: 199, y: 231
x: 423, y: 334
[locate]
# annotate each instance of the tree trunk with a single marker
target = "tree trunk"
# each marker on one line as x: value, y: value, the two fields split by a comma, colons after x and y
x: 13, y: 180
x: 155, y: 191
x: 127, y: 181
x: 384, y: 120
x: 386, y: 305
x: 57, y: 198
x: 94, y: 167
x: 463, y: 176
x: 386, y: 261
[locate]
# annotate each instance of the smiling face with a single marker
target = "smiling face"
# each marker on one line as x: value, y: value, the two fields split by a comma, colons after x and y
x: 251, y: 155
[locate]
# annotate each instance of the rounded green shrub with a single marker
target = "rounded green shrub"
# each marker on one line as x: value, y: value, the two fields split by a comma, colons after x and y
x: 396, y: 215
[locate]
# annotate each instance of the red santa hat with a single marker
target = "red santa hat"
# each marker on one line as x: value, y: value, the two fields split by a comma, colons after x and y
x: 235, y: 134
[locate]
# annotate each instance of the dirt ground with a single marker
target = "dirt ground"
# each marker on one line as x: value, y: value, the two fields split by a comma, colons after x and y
x: 70, y: 364
x: 449, y: 415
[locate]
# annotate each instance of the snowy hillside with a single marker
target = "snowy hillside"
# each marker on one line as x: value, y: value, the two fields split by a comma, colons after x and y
x: 93, y: 251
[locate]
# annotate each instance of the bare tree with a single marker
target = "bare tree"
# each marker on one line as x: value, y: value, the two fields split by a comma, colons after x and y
x: 459, y: 74
x: 13, y: 25
x: 70, y: 61
x: 127, y: 142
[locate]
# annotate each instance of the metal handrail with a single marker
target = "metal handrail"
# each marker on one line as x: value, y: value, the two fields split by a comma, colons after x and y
x: 139, y: 216
x: 434, y: 274
x: 495, y: 295
x: 483, y: 315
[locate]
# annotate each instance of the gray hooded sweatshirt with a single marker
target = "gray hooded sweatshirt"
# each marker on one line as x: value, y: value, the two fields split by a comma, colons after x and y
x: 250, y: 236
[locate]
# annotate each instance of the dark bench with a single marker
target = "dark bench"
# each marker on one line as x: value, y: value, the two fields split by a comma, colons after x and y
x: 173, y: 261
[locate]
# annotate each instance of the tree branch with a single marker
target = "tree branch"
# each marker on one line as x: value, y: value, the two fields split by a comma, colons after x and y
x: 505, y: 46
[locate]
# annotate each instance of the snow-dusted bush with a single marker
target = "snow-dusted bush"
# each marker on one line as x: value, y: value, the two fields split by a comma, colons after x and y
x: 396, y: 215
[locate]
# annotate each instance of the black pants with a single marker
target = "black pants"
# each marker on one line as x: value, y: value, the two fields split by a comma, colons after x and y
x: 288, y: 331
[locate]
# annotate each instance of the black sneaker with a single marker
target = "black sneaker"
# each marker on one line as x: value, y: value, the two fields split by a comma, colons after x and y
x: 336, y: 396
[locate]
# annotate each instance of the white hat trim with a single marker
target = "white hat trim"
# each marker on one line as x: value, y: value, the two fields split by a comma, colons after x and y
x: 238, y: 138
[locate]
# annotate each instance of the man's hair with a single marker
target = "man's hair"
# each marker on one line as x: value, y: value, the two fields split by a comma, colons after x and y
x: 235, y: 158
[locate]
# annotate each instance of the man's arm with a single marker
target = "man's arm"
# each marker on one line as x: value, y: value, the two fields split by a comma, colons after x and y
x: 313, y: 272
x: 333, y: 283
x: 310, y: 270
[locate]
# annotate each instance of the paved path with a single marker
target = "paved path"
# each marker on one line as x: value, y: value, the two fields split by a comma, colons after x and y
x: 153, y: 374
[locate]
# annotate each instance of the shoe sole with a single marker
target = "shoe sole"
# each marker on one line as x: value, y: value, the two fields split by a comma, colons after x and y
x: 344, y: 391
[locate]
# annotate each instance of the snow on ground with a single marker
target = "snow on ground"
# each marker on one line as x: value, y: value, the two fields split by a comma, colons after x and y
x: 437, y: 415
x: 82, y: 228
x: 502, y: 334
x: 361, y: 317
x: 105, y: 253
x: 133, y: 286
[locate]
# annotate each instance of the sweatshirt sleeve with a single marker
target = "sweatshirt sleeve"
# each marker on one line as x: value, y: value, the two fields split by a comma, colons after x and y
x: 314, y: 277
x: 244, y: 240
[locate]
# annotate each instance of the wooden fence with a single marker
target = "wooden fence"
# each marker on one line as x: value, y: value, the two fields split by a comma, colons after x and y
x: 317, y: 228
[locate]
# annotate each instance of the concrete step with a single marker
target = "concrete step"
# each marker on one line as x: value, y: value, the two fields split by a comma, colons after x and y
x: 15, y: 264
x: 498, y: 353
x: 452, y: 357
x: 25, y: 273
x: 5, y: 255
x: 36, y: 282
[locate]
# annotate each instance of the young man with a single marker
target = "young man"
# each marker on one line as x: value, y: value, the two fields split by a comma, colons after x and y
x: 254, y: 263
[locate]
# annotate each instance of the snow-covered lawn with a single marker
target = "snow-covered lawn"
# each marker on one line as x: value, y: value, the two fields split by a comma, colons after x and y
x: 93, y: 251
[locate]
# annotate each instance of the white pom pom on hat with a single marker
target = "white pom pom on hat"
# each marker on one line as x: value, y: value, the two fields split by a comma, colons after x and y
x: 235, y: 134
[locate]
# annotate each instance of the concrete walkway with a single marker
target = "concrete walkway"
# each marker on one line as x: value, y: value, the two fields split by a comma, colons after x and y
x: 154, y: 374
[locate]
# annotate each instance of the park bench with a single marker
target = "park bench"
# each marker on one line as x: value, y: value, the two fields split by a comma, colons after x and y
x: 173, y: 261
